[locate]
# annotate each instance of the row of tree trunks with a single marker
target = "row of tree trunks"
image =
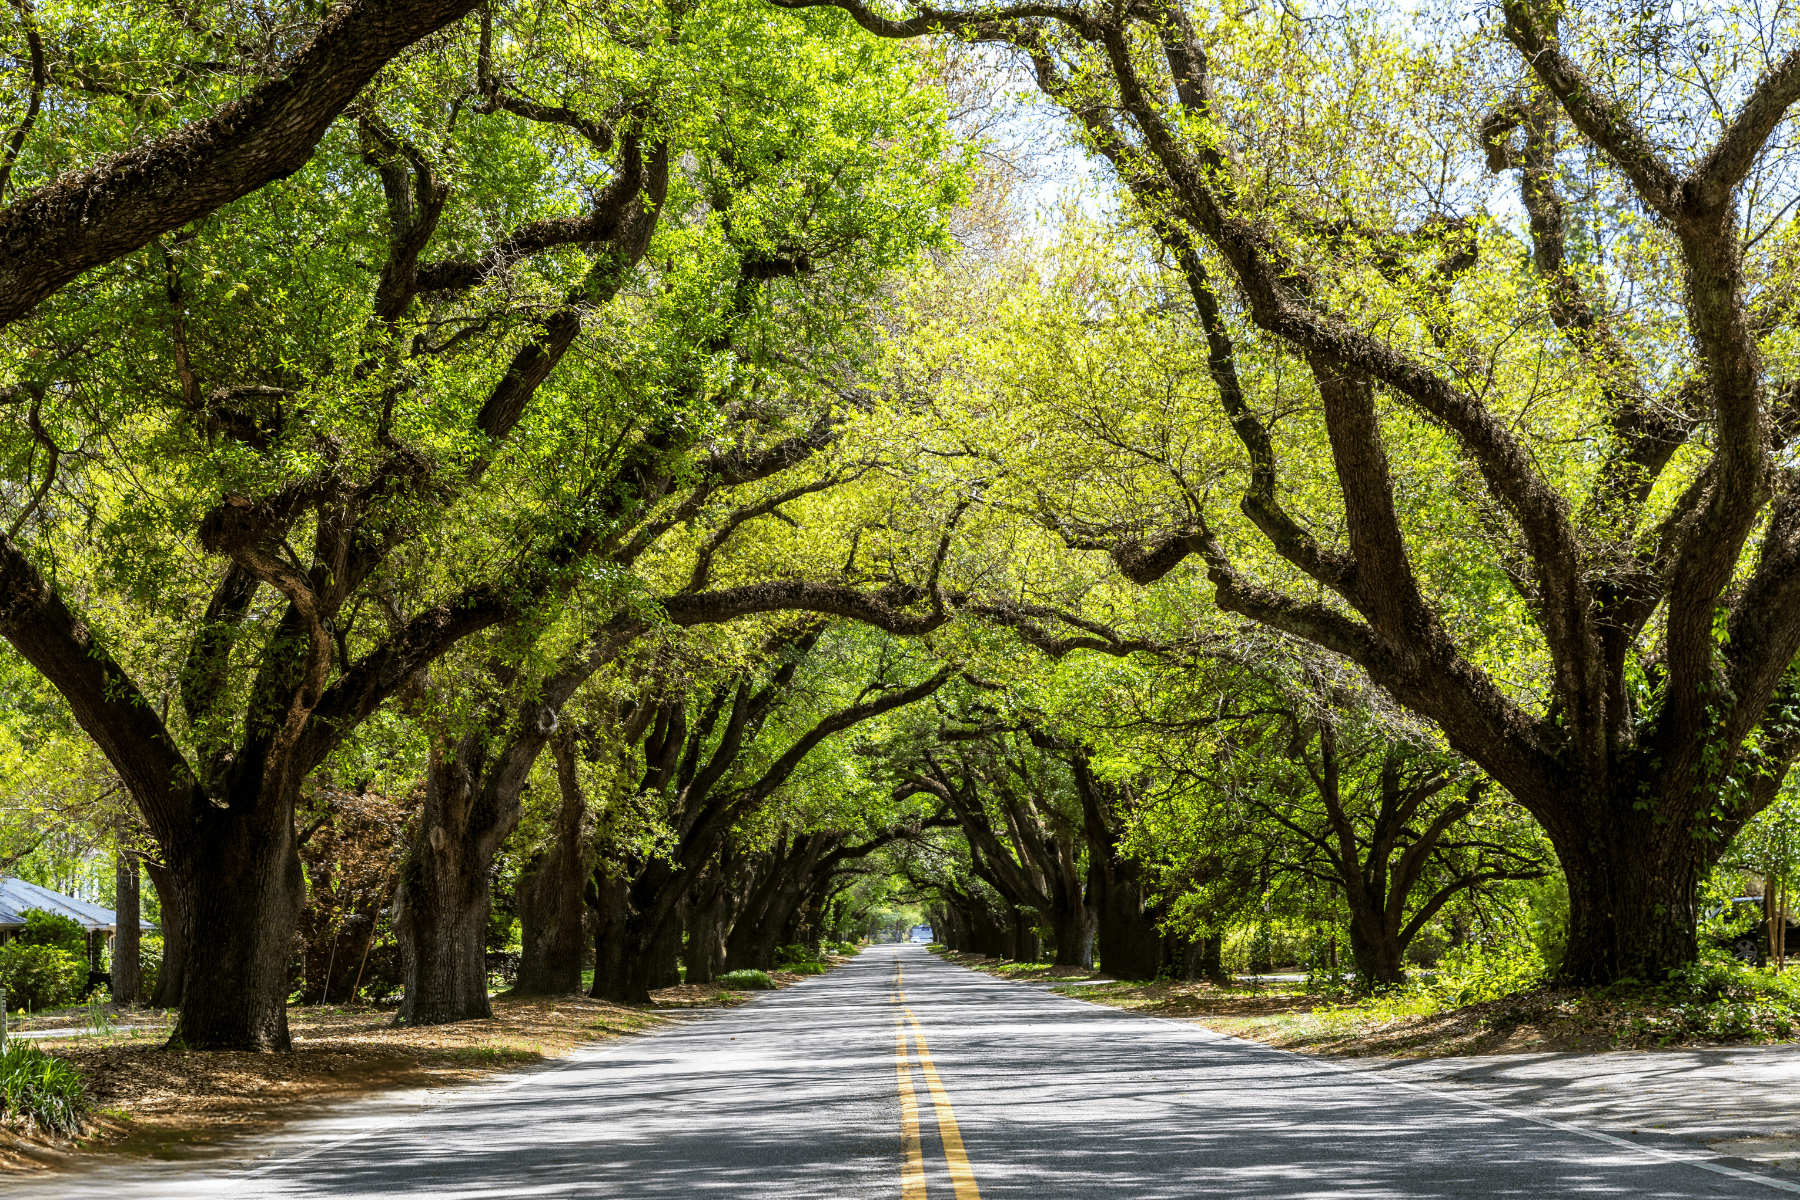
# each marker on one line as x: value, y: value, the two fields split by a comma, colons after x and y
x: 782, y: 887
x: 1129, y: 935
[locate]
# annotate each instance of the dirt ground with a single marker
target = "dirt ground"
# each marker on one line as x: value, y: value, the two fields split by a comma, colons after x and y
x: 175, y: 1104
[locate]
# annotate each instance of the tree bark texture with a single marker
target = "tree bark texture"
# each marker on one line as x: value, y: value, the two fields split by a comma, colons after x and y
x: 240, y: 890
x: 127, y: 960
x: 167, y: 993
x: 445, y: 896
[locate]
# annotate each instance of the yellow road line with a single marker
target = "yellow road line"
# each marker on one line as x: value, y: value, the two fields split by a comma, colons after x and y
x: 912, y: 1172
x: 962, y: 1176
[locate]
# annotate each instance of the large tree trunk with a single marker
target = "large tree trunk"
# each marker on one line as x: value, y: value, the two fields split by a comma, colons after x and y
x: 442, y: 907
x: 710, y: 922
x: 240, y: 890
x: 785, y: 882
x: 1027, y: 946
x: 440, y: 918
x: 663, y: 967
x: 1196, y: 958
x: 551, y: 936
x: 127, y: 963
x: 632, y: 952
x: 1130, y: 945
x: 1377, y: 953
x: 1632, y: 910
x: 1074, y: 926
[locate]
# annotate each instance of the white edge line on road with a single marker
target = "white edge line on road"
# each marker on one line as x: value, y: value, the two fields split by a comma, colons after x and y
x: 1692, y: 1160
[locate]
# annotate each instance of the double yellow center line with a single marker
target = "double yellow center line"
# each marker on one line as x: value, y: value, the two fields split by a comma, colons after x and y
x: 912, y: 1170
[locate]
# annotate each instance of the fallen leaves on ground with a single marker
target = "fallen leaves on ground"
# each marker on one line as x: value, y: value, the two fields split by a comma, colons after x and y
x: 179, y: 1103
x: 186, y: 1103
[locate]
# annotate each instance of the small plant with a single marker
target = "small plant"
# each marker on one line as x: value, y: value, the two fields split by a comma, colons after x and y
x: 790, y: 955
x: 97, y: 1018
x: 749, y: 980
x: 44, y: 1090
x: 806, y: 968
x: 841, y: 948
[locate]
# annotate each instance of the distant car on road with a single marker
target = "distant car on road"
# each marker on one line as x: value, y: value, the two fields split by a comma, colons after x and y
x: 921, y: 933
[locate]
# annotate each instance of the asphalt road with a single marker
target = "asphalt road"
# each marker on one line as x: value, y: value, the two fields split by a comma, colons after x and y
x: 900, y: 1076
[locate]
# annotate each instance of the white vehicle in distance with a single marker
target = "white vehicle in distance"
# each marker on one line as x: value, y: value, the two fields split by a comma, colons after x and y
x: 921, y: 933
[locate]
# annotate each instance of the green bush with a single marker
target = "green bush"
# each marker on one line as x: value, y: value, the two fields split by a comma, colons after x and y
x: 842, y: 948
x: 749, y: 980
x: 43, y: 1089
x: 812, y: 968
x: 150, y: 956
x: 796, y: 954
x: 1473, y: 973
x: 53, y: 929
x: 40, y: 976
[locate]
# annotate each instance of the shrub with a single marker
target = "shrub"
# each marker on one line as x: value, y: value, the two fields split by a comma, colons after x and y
x: 749, y: 980
x: 150, y: 957
x: 796, y: 954
x: 1472, y: 973
x: 42, y: 1089
x: 53, y: 929
x: 841, y: 948
x: 40, y: 976
x: 808, y: 968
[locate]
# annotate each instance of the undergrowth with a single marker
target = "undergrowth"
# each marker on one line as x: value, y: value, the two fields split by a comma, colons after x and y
x: 749, y: 980
x: 41, y: 1089
x: 1714, y: 999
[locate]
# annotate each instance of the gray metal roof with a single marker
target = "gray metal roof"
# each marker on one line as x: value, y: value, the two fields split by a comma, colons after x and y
x: 16, y: 896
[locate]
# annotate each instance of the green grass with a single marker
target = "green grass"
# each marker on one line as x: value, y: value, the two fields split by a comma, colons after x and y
x: 806, y: 968
x: 749, y: 980
x: 42, y: 1089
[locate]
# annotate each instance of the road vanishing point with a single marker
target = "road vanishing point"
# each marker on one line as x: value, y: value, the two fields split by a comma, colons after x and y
x: 898, y: 1075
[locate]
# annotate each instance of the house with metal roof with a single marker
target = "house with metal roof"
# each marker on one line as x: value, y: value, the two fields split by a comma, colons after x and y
x: 18, y: 897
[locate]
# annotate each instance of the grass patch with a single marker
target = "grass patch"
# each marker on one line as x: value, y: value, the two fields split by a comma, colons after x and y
x: 805, y: 968
x: 42, y: 1090
x: 493, y: 1054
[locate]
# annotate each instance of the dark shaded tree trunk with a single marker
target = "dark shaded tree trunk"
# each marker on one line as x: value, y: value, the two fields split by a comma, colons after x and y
x: 127, y: 960
x: 445, y: 896
x: 1632, y: 908
x: 622, y: 951
x: 664, y: 970
x: 551, y: 934
x: 167, y: 993
x: 1195, y: 958
x: 1129, y: 941
x: 1027, y: 945
x: 781, y: 888
x: 1074, y: 927
x: 710, y: 922
x: 240, y: 890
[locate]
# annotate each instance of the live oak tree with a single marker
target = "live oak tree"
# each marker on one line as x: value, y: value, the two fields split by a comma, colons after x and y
x: 1596, y: 395
x: 372, y: 360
